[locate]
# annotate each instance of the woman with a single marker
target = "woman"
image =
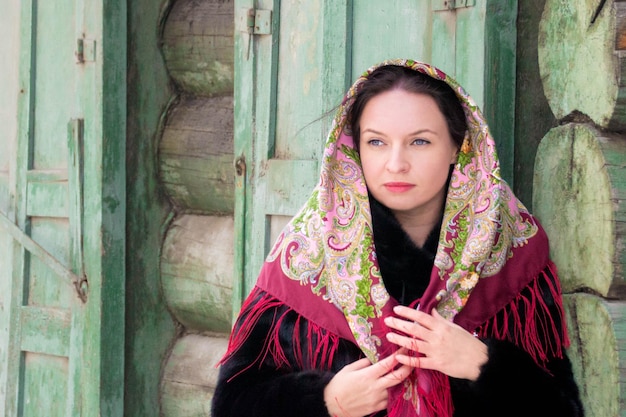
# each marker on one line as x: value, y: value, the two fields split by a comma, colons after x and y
x: 412, y: 283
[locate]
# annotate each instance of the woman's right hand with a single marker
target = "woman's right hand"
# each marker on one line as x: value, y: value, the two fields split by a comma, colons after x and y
x: 360, y: 388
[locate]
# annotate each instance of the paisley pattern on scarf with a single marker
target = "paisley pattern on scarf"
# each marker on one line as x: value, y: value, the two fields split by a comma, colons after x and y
x: 329, y: 244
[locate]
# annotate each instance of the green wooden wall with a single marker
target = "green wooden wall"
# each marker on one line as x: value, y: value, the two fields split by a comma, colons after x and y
x: 181, y: 186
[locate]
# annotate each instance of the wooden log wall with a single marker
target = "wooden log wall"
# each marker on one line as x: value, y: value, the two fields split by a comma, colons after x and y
x: 196, y: 171
x: 579, y: 187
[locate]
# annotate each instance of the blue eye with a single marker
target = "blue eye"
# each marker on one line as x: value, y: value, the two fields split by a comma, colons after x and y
x: 375, y: 142
x: 420, y: 142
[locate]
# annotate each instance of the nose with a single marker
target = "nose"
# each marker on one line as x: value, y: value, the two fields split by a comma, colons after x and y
x: 397, y: 161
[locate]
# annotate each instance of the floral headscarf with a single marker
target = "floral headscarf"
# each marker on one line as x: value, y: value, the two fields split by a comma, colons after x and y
x: 329, y: 246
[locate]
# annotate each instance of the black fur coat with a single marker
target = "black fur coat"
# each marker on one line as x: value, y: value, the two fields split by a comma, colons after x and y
x: 510, y: 383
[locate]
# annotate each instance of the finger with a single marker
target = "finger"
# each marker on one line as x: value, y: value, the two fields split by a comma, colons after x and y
x: 438, y: 317
x: 356, y: 365
x: 396, y: 376
x: 407, y: 327
x: 406, y: 312
x: 411, y: 360
x: 420, y: 317
x: 385, y: 366
x: 408, y: 343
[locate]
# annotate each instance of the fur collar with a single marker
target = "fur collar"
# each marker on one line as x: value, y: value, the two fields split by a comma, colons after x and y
x: 404, y: 266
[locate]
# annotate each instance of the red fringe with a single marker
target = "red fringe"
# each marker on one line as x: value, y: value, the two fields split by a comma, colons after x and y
x: 525, y: 321
x: 533, y: 329
x: 435, y: 399
x: 257, y: 304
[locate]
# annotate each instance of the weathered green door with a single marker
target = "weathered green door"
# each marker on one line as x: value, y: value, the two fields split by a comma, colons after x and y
x: 293, y: 63
x: 63, y: 219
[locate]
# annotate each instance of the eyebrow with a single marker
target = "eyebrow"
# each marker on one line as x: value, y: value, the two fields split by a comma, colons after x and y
x: 417, y: 132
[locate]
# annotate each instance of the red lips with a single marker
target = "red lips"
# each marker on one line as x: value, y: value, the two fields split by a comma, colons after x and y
x: 398, y: 187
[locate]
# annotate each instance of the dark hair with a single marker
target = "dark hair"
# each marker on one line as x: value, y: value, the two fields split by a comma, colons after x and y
x: 390, y: 77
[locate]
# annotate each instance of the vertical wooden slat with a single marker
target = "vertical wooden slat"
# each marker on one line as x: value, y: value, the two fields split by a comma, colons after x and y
x: 337, y: 55
x: 443, y: 41
x: 103, y: 98
x: 388, y: 30
x: 499, y: 80
x: 75, y: 171
x: 469, y: 49
x: 535, y: 117
x: 243, y: 114
x: 263, y: 137
x: 17, y: 207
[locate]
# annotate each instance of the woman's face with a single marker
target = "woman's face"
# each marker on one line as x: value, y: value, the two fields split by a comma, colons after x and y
x: 406, y: 151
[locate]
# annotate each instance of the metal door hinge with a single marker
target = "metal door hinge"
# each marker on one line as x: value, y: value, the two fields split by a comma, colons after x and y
x: 439, y: 5
x: 253, y: 22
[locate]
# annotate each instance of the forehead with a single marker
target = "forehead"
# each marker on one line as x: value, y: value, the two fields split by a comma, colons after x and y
x: 399, y: 106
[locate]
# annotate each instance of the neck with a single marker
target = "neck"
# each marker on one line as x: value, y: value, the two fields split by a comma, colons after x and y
x: 419, y: 225
x: 418, y: 232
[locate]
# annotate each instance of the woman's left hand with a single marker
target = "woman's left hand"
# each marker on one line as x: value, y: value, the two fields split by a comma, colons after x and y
x: 437, y: 343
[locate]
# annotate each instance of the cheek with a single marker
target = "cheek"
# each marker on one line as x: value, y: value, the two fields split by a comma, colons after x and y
x: 369, y: 166
x: 433, y: 172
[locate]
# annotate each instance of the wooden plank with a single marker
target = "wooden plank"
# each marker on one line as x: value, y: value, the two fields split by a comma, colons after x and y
x: 242, y: 131
x: 293, y: 84
x: 290, y: 183
x: 55, y: 83
x: 45, y: 330
x: 338, y: 28
x: 443, y: 42
x: 264, y: 138
x: 4, y: 192
x: 377, y: 35
x: 17, y: 207
x: 47, y: 199
x: 101, y: 386
x: 6, y: 248
x: 46, y: 285
x: 499, y: 79
x: 45, y: 385
x: 573, y: 186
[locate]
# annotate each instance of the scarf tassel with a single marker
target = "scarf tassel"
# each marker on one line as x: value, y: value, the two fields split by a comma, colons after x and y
x: 312, y: 347
x: 529, y: 322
